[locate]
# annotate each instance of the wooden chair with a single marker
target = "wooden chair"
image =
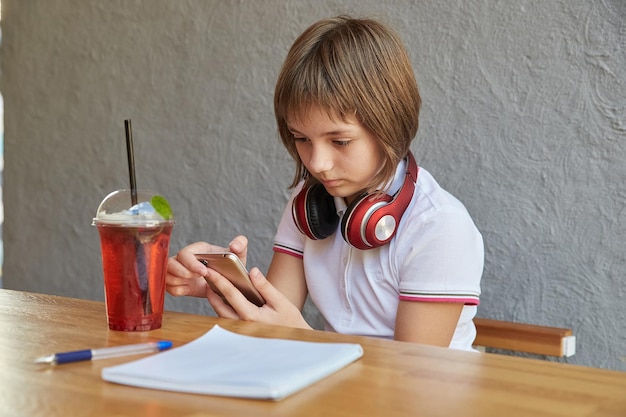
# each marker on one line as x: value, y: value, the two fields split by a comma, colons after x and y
x: 528, y: 338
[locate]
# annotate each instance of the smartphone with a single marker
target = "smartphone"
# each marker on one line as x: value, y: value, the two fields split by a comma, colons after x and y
x: 229, y: 265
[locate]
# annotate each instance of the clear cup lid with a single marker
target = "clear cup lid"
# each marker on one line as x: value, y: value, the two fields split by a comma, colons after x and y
x: 117, y: 209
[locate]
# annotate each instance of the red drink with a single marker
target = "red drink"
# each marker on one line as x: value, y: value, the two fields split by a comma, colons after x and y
x: 134, y: 259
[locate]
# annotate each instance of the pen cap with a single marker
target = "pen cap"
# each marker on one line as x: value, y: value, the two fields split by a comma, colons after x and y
x: 164, y: 344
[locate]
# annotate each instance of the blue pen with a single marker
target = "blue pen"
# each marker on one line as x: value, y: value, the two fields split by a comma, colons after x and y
x: 104, y: 353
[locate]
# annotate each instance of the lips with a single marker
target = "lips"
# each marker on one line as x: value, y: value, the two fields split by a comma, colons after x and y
x: 330, y: 183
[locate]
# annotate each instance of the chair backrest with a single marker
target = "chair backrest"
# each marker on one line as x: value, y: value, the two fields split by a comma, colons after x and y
x: 521, y: 337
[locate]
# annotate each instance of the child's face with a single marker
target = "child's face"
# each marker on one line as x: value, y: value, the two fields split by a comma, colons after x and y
x: 341, y: 154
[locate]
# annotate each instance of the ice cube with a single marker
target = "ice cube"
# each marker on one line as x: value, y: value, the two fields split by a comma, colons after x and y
x: 144, y: 209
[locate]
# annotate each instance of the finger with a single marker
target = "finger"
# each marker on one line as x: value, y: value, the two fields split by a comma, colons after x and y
x: 180, y: 281
x: 195, y: 287
x: 187, y: 256
x: 278, y: 309
x: 177, y: 290
x: 239, y: 246
x: 243, y: 308
x: 222, y: 309
x: 176, y: 270
x: 265, y: 288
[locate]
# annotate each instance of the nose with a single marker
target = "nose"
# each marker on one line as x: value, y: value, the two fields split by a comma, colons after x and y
x: 320, y: 160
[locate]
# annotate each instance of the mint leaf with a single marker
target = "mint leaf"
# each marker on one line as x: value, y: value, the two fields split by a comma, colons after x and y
x: 162, y: 207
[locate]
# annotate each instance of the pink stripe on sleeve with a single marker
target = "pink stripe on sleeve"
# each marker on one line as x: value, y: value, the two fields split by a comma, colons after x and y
x: 288, y: 251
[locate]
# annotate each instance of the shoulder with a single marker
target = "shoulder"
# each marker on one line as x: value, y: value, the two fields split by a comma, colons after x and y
x: 437, y: 233
x: 431, y: 202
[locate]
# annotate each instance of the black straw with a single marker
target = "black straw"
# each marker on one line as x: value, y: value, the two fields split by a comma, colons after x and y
x: 131, y: 161
x: 142, y: 274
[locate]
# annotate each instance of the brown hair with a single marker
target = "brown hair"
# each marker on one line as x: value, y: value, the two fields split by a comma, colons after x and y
x: 351, y: 67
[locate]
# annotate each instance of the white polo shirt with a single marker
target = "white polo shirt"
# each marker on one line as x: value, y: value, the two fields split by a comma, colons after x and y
x: 436, y: 256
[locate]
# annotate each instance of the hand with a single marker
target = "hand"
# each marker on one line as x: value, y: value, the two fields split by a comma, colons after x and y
x: 234, y: 305
x: 185, y: 274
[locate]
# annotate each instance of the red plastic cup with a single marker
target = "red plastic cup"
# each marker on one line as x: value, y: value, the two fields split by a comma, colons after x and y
x: 134, y: 240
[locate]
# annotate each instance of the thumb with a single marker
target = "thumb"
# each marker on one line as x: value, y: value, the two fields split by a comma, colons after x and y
x: 265, y: 288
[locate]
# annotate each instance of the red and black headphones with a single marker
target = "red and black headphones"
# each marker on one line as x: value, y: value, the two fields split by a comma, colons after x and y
x: 369, y: 221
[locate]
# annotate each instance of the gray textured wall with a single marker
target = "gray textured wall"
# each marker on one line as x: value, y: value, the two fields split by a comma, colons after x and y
x: 524, y: 120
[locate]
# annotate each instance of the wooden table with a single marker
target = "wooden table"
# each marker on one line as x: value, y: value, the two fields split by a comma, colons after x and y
x: 392, y: 378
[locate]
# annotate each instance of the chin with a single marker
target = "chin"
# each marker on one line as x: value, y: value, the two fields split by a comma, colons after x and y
x: 346, y: 195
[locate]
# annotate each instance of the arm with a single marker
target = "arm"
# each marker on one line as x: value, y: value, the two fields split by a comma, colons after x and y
x: 443, y: 255
x: 286, y: 273
x: 427, y: 323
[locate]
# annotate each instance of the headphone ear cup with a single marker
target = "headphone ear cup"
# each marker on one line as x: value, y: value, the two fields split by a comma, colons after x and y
x: 371, y: 221
x: 359, y: 225
x: 314, y: 212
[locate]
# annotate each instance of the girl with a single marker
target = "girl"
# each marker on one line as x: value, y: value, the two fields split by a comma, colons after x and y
x: 378, y: 245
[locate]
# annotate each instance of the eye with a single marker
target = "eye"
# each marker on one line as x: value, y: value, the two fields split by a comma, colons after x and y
x: 341, y: 142
x: 298, y: 137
